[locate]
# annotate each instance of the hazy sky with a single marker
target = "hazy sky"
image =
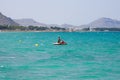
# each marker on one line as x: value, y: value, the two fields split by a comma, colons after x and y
x: 75, y: 12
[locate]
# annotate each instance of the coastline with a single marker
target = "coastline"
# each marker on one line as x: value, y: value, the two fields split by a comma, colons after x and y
x: 50, y: 31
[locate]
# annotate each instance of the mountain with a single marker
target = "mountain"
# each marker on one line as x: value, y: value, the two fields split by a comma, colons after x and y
x: 7, y: 21
x: 53, y: 25
x: 28, y: 22
x: 103, y: 23
x: 67, y: 26
x: 99, y: 23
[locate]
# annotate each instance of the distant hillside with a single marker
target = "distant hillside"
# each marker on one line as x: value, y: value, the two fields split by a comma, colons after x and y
x: 53, y: 25
x: 67, y: 26
x: 7, y: 21
x: 62, y: 26
x: 99, y: 23
x: 103, y: 23
x: 28, y: 22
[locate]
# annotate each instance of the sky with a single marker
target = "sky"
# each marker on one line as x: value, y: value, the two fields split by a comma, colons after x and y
x: 74, y: 12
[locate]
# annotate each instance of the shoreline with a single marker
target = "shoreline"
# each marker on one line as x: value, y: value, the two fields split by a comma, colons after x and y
x: 52, y: 31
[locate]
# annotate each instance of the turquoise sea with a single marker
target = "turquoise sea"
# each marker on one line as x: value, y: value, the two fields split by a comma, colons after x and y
x: 32, y: 56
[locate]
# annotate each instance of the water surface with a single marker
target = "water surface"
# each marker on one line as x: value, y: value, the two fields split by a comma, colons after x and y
x: 88, y: 56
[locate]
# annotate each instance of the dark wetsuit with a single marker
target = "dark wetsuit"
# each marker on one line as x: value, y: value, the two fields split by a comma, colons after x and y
x: 59, y: 40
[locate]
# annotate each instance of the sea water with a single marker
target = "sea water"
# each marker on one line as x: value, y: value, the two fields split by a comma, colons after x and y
x: 87, y: 56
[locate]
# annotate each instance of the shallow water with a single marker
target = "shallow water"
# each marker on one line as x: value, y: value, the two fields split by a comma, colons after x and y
x: 88, y: 56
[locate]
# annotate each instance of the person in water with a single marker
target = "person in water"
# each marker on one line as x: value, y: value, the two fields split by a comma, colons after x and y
x: 59, y: 40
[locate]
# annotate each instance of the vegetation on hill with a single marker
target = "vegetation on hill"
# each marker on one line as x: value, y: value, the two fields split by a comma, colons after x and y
x: 30, y: 28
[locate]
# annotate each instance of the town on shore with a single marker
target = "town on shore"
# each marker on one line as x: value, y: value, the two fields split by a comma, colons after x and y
x: 50, y: 29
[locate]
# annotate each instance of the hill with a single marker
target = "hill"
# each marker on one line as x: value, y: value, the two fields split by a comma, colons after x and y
x: 7, y: 21
x: 28, y: 22
x: 103, y: 23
